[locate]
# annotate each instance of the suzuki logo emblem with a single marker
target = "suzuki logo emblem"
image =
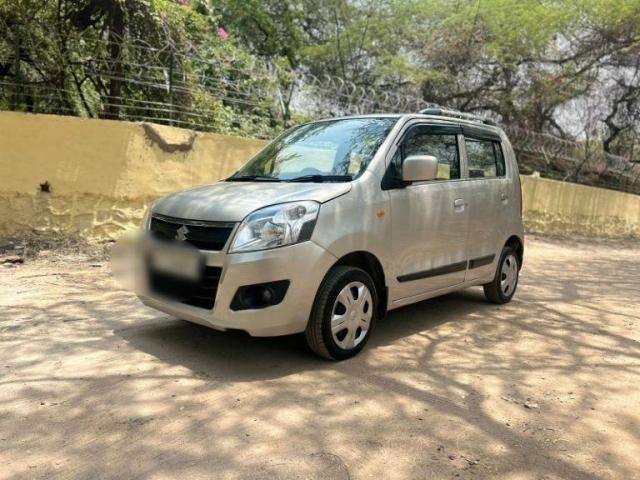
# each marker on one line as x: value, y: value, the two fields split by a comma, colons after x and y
x: 181, y: 233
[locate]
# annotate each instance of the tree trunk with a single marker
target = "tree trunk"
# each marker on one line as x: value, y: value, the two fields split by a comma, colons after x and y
x: 116, y: 39
x: 614, y: 132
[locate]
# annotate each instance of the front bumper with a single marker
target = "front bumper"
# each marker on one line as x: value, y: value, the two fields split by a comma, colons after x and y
x: 304, y: 265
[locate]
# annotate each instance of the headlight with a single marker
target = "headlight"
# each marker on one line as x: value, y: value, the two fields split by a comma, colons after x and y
x: 276, y: 226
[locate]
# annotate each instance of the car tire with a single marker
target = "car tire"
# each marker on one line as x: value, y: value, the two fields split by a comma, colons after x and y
x: 343, y: 314
x: 505, y: 282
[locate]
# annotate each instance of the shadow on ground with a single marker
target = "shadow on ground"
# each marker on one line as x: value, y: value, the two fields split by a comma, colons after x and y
x: 238, y: 357
x: 546, y: 387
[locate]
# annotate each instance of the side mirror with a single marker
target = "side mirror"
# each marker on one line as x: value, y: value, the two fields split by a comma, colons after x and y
x: 418, y: 168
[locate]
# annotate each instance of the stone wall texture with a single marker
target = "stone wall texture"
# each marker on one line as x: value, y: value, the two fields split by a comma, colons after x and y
x: 102, y: 174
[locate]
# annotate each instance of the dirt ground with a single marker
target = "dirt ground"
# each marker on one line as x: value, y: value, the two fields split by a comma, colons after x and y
x: 94, y: 385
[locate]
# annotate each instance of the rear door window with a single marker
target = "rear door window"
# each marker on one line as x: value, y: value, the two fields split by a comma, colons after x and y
x: 484, y: 158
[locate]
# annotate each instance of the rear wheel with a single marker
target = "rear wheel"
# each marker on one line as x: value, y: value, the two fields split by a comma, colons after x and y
x: 343, y: 313
x: 503, y: 286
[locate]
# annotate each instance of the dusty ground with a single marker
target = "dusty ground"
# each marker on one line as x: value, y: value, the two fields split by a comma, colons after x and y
x: 94, y: 385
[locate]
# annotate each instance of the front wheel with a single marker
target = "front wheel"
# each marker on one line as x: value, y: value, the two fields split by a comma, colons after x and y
x: 343, y: 313
x: 503, y: 286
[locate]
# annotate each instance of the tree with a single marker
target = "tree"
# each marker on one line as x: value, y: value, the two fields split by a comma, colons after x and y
x: 268, y: 28
x: 153, y: 59
x: 230, y: 64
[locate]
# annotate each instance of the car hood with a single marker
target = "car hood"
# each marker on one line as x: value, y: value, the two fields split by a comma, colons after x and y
x: 233, y: 201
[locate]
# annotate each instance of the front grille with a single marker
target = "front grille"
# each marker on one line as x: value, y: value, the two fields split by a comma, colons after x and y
x: 202, y: 235
x: 198, y: 294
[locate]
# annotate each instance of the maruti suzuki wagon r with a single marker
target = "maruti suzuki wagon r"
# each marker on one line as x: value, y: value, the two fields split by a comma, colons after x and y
x: 336, y: 222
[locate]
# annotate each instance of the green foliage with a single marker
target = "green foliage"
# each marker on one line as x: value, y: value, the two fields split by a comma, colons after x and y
x: 268, y: 28
x: 154, y: 59
x: 522, y: 62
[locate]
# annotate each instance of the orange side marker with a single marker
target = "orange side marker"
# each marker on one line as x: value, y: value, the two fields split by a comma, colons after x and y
x: 380, y: 213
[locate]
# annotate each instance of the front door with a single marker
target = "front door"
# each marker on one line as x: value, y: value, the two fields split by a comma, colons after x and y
x: 429, y: 219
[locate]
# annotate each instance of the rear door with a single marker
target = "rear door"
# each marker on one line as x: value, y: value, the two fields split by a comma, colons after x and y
x: 429, y: 219
x: 488, y: 192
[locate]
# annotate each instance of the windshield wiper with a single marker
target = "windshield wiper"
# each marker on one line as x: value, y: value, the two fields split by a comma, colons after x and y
x: 253, y: 178
x: 321, y: 178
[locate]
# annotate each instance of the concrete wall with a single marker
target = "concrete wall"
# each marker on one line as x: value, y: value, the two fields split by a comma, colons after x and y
x: 561, y: 208
x: 102, y: 174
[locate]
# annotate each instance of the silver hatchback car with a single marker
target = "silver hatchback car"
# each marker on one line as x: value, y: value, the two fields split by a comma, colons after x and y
x: 336, y: 222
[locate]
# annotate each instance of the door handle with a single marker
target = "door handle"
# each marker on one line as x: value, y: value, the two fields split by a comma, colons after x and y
x: 504, y: 197
x: 459, y: 204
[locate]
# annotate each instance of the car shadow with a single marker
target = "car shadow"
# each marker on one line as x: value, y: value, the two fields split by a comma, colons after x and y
x: 237, y: 357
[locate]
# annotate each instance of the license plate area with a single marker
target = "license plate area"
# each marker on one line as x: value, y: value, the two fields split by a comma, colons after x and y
x: 180, y: 262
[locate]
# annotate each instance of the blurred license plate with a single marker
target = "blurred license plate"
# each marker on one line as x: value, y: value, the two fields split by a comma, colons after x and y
x: 179, y: 261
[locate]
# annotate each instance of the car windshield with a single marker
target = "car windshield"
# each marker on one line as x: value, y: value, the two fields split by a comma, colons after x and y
x: 335, y: 150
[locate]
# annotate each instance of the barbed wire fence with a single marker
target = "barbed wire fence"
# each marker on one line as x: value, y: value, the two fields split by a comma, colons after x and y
x: 210, y: 92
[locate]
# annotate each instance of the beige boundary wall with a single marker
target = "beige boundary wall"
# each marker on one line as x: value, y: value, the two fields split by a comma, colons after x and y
x: 561, y: 208
x: 103, y: 173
